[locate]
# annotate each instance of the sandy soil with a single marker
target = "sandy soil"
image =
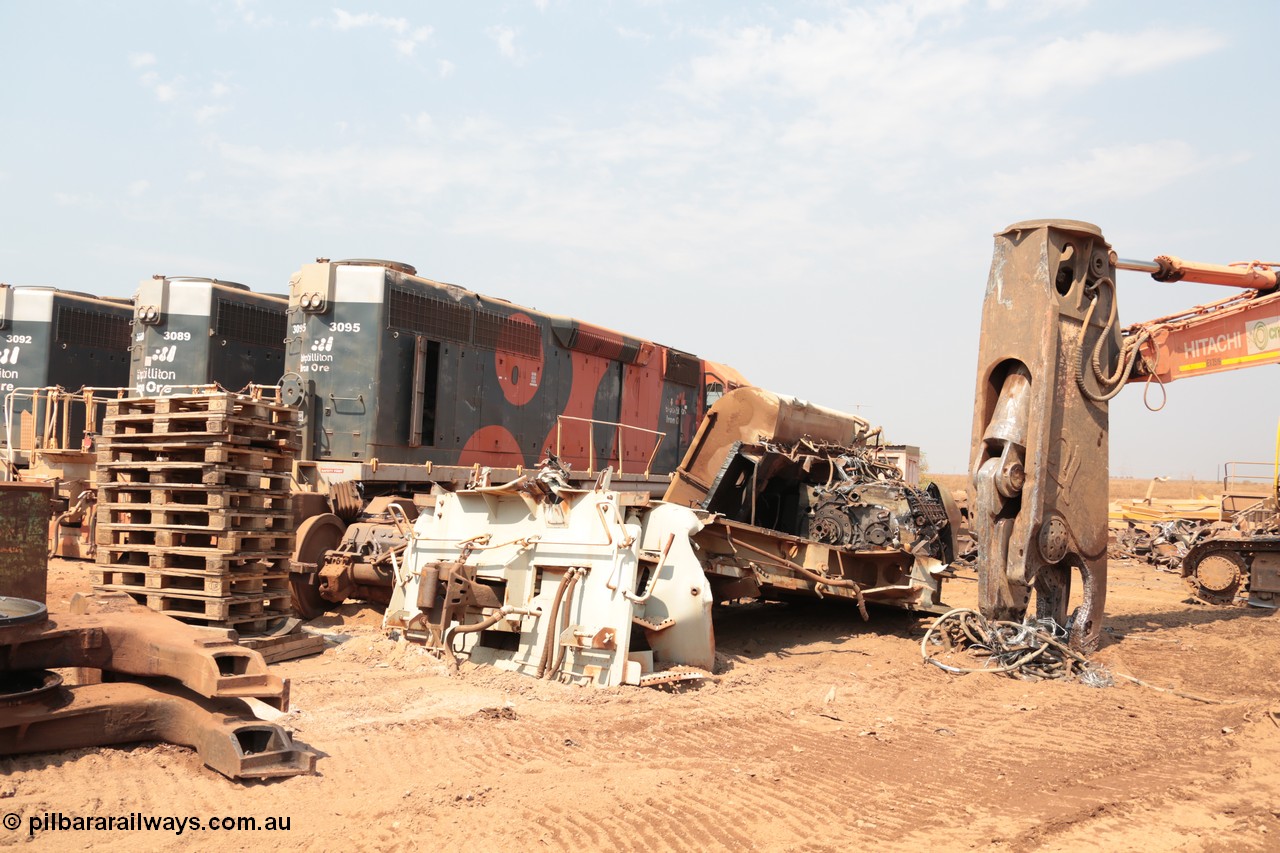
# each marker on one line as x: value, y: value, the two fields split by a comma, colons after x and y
x: 819, y: 732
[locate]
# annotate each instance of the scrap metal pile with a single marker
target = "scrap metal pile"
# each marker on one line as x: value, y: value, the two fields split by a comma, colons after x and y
x: 865, y: 503
x: 1218, y: 560
x: 172, y: 682
x: 1162, y: 544
x: 593, y: 585
x: 1031, y: 651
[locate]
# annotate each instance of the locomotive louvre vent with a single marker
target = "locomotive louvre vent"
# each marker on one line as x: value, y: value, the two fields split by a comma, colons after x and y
x: 443, y: 320
x: 598, y: 342
x: 80, y: 327
x: 435, y: 318
x: 250, y: 324
x: 682, y: 368
x: 494, y: 331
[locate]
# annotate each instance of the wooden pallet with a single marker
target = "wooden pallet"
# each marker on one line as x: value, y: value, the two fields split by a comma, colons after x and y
x: 235, y: 542
x: 232, y: 430
x: 226, y: 403
x: 191, y: 520
x: 150, y: 582
x: 285, y: 647
x: 176, y: 474
x: 127, y: 495
x: 197, y: 452
x: 191, y: 559
x: 226, y: 609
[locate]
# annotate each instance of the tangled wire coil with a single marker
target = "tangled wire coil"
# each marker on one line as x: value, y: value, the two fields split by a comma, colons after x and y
x: 1033, y: 651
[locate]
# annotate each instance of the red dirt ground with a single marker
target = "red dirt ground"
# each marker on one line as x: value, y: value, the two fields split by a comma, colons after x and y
x: 819, y: 732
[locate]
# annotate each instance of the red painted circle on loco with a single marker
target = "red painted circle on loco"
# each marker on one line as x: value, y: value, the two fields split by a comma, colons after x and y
x: 492, y: 445
x: 519, y: 373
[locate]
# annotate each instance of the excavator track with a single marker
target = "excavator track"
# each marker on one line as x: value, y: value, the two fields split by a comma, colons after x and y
x: 1217, y: 569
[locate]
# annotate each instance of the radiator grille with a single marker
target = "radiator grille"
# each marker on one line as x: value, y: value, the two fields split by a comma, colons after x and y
x: 598, y: 342
x: 435, y: 318
x: 683, y: 368
x: 79, y: 327
x: 250, y: 324
x: 493, y: 331
x: 444, y: 320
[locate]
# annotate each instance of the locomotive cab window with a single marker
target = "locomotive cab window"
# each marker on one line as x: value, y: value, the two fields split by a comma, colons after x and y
x: 715, y: 390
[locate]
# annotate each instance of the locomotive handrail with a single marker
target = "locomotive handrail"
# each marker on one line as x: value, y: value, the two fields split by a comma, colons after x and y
x: 53, y: 405
x: 618, y: 428
x: 35, y: 394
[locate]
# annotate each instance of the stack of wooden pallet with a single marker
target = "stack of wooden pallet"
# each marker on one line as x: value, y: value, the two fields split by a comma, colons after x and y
x: 193, y: 507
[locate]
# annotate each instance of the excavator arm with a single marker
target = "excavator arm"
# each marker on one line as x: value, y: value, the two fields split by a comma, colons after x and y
x: 1051, y: 356
x: 1242, y: 330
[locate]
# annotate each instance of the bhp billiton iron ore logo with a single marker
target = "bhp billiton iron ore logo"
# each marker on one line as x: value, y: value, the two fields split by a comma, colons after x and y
x: 1260, y: 334
x: 162, y: 355
x: 9, y: 355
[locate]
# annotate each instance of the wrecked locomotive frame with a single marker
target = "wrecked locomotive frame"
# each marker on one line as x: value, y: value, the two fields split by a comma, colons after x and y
x: 775, y: 498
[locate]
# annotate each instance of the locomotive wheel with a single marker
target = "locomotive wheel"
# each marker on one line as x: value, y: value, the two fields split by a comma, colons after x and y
x: 1216, y: 578
x: 318, y: 534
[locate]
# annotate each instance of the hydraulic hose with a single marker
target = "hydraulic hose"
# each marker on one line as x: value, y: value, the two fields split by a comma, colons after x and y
x: 545, y: 661
x: 564, y: 623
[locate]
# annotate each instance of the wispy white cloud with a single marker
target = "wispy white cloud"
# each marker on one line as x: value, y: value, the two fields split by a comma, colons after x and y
x: 139, y: 187
x: 883, y: 81
x: 420, y: 123
x: 183, y: 97
x: 1078, y: 63
x: 220, y: 92
x: 164, y: 90
x: 342, y: 20
x: 1039, y: 8
x: 446, y: 68
x: 410, y: 42
x: 209, y: 112
x: 249, y: 16
x: 405, y: 37
x: 505, y: 38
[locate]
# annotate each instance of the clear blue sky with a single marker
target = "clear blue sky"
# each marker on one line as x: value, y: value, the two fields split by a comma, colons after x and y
x: 804, y: 190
